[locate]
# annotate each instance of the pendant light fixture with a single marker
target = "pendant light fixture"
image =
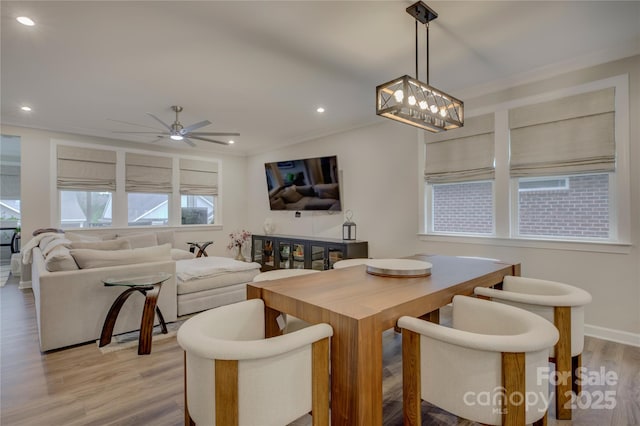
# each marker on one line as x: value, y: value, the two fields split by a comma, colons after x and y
x: 413, y: 102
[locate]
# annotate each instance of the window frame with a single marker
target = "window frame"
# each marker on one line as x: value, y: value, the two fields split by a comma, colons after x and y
x: 505, y: 201
x: 120, y: 196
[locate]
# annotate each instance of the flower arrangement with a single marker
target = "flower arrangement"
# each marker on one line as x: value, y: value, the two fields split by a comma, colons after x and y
x: 238, y: 238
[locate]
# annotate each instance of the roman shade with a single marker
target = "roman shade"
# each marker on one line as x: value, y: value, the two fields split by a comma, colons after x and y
x: 148, y: 173
x: 10, y: 182
x: 86, y: 169
x: 198, y: 177
x: 572, y: 135
x: 464, y: 154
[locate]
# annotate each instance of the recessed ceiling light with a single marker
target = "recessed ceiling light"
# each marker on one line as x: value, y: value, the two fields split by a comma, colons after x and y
x: 26, y: 108
x: 232, y: 142
x: 24, y: 20
x: 320, y: 109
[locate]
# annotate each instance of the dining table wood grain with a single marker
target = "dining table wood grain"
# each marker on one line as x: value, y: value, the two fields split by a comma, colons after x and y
x: 360, y: 306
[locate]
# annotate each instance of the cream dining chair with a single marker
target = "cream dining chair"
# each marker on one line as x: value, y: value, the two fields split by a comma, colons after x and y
x: 234, y: 376
x: 485, y: 368
x: 562, y: 305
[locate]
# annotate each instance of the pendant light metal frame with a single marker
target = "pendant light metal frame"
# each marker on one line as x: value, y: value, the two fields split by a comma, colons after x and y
x: 410, y: 101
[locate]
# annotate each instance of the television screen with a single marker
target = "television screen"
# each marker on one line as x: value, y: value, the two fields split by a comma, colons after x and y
x: 307, y: 184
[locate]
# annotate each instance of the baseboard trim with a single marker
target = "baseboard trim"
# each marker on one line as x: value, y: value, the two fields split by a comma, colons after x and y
x: 624, y: 337
x: 24, y: 284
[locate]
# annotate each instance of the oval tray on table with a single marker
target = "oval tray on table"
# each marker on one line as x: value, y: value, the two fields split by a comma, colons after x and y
x: 399, y: 267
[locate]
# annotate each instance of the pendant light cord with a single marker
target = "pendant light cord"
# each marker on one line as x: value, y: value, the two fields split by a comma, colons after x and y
x: 427, y: 30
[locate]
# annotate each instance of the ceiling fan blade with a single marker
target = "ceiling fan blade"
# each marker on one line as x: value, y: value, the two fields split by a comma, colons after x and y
x: 188, y: 142
x: 195, y: 126
x: 132, y: 124
x: 158, y: 140
x: 133, y: 133
x: 159, y: 121
x: 215, y: 134
x: 208, y: 140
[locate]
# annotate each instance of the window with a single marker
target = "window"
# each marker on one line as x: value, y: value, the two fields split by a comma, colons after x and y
x: 147, y: 209
x: 465, y: 207
x: 579, y: 210
x: 85, y: 209
x: 146, y: 191
x: 459, y: 173
x: 562, y: 169
x: 197, y: 209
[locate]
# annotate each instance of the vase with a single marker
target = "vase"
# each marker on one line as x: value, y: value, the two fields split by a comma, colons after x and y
x: 239, y: 256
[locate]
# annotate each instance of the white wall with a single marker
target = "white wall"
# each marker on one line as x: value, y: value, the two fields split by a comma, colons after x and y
x: 381, y: 184
x: 377, y: 173
x: 36, y: 198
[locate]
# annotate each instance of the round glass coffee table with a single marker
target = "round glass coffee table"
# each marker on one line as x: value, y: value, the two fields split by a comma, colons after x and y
x: 149, y: 285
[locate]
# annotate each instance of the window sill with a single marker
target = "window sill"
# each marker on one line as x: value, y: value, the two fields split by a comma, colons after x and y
x: 178, y: 228
x: 590, y: 246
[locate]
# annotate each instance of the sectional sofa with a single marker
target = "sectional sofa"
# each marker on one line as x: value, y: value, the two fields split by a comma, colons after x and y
x: 72, y: 302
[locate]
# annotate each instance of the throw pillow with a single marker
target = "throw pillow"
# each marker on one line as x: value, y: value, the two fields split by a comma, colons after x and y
x: 88, y: 258
x: 165, y: 237
x: 140, y: 240
x: 290, y: 195
x: 53, y: 244
x: 101, y: 245
x: 179, y: 254
x: 60, y: 259
x: 73, y: 236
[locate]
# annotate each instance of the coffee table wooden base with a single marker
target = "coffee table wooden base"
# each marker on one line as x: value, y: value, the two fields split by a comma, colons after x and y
x: 146, y: 325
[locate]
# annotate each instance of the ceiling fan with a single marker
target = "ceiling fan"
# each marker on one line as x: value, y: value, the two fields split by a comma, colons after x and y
x: 177, y: 132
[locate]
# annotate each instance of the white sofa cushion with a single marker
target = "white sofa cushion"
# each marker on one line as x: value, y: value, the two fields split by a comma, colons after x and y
x: 88, y: 258
x: 179, y: 254
x: 60, y: 259
x: 101, y: 245
x: 140, y: 240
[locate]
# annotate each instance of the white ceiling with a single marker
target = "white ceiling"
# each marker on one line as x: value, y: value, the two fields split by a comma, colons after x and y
x: 262, y: 68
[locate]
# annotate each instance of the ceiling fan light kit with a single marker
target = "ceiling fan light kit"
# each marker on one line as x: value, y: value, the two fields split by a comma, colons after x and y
x: 177, y: 132
x: 410, y: 101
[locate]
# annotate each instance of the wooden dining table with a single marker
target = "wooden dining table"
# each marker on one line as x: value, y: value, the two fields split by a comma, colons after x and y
x: 360, y: 306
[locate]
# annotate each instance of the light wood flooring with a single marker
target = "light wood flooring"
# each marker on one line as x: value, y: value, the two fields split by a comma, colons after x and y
x: 81, y: 386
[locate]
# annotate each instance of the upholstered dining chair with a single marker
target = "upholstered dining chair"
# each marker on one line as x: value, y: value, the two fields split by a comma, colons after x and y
x: 290, y: 323
x: 234, y: 376
x: 486, y: 367
x: 345, y: 263
x: 563, y: 305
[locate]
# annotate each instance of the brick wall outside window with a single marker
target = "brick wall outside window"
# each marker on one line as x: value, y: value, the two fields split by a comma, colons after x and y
x: 463, y: 208
x: 580, y: 211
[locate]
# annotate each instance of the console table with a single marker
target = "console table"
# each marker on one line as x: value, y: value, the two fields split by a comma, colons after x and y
x: 293, y: 252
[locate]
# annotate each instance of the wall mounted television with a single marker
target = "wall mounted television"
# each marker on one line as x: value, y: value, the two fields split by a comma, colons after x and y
x: 305, y: 184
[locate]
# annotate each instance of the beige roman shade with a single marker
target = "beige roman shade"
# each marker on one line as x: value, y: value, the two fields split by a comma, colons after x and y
x: 464, y: 154
x: 198, y: 177
x: 571, y: 135
x: 148, y: 173
x: 86, y: 169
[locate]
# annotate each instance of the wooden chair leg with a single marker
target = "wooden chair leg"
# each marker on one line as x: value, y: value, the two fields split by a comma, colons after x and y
x: 226, y: 372
x: 513, y: 382
x: 562, y: 321
x: 411, y: 393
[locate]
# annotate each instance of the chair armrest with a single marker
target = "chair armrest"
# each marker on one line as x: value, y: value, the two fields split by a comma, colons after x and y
x: 573, y: 299
x: 543, y: 337
x: 213, y: 348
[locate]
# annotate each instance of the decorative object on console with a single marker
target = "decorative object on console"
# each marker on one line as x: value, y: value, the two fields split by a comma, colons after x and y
x: 413, y: 102
x: 238, y: 238
x: 349, y: 227
x: 269, y: 227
